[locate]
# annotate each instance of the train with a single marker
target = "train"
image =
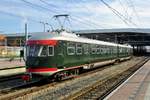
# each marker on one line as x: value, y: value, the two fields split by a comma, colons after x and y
x: 62, y: 54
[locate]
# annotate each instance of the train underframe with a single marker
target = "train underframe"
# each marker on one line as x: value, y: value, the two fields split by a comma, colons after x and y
x: 70, y: 72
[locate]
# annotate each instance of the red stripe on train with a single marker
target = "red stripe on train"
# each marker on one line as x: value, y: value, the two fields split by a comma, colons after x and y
x: 41, y: 42
x: 41, y: 69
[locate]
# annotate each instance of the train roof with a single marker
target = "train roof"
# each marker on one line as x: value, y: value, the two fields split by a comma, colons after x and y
x: 68, y: 36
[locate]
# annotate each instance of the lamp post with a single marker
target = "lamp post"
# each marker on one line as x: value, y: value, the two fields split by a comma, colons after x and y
x: 26, y: 32
x: 26, y: 39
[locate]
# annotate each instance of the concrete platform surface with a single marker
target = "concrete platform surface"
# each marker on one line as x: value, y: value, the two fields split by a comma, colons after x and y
x: 9, y: 72
x: 11, y: 64
x: 137, y: 87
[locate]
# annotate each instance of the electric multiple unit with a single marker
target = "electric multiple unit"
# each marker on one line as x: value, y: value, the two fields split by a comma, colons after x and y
x: 62, y: 54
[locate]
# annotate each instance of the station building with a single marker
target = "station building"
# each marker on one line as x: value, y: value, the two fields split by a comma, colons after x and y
x: 139, y: 39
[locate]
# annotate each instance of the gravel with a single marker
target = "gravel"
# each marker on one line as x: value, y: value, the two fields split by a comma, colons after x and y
x: 10, y: 83
x: 65, y: 89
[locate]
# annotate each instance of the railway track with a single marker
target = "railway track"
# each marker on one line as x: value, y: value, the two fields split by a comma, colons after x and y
x: 14, y: 84
x: 10, y: 93
x: 104, y: 87
x: 8, y: 82
x: 7, y: 78
x: 58, y: 89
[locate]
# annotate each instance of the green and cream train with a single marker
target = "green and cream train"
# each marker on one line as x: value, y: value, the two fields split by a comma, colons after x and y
x: 62, y: 54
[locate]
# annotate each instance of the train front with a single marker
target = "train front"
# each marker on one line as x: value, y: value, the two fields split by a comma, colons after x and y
x: 40, y: 59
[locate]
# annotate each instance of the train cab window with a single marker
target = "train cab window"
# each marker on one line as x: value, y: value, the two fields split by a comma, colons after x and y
x: 50, y: 51
x: 30, y: 51
x: 33, y: 51
x: 44, y: 51
x: 78, y: 49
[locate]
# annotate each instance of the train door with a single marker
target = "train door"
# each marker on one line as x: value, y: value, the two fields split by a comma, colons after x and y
x: 60, y: 54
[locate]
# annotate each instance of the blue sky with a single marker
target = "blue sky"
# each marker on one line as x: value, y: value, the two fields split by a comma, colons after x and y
x: 84, y: 14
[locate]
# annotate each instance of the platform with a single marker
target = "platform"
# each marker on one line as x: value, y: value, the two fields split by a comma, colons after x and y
x: 9, y: 72
x: 7, y: 65
x: 137, y: 87
x: 11, y: 64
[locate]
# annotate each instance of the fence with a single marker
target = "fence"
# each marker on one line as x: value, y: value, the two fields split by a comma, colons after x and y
x: 6, y: 51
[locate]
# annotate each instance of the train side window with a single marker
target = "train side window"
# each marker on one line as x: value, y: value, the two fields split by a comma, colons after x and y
x: 127, y: 51
x: 50, y: 51
x: 78, y: 49
x: 115, y: 50
x: 98, y: 49
x: 104, y: 50
x: 93, y: 49
x: 110, y: 50
x: 86, y: 49
x: 107, y: 51
x: 120, y: 50
x: 101, y: 49
x: 70, y: 49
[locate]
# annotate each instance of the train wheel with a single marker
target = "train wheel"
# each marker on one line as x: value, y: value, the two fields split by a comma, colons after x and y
x: 76, y: 71
x: 58, y: 77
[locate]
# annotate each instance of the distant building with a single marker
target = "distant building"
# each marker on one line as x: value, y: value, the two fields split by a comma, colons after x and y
x: 2, y: 40
x: 15, y: 39
x: 125, y: 35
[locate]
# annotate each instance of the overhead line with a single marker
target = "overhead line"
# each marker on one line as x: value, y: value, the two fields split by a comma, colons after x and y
x: 35, y: 5
x: 134, y: 10
x: 87, y: 24
x: 53, y: 11
x: 18, y: 16
x: 114, y: 11
x: 90, y: 19
x: 21, y: 17
x: 73, y: 15
x: 126, y: 12
x: 49, y: 3
x: 57, y: 12
x: 118, y: 13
